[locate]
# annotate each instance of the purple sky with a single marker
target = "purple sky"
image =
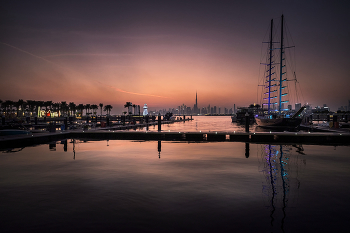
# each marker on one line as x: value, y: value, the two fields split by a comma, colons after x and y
x: 161, y: 53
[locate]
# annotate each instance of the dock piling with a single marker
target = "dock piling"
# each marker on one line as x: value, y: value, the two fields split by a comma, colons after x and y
x: 247, y: 123
x: 159, y: 122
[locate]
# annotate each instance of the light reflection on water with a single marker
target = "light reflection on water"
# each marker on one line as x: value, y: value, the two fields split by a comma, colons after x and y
x: 203, y: 123
x: 165, y: 186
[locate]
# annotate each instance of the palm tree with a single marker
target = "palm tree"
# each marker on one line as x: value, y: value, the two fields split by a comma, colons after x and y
x: 94, y: 107
x: 134, y: 106
x: 101, y: 106
x: 48, y: 104
x: 8, y: 106
x: 108, y: 108
x: 87, y: 108
x: 31, y: 106
x: 64, y: 107
x: 128, y: 105
x: 55, y: 107
x: 81, y: 108
x: 72, y: 108
x: 41, y: 104
x: 19, y: 105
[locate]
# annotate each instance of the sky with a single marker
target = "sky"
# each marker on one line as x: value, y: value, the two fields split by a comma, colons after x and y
x: 163, y: 52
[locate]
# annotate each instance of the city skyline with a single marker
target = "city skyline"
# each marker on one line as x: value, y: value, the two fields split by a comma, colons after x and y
x: 58, y: 108
x: 162, y: 53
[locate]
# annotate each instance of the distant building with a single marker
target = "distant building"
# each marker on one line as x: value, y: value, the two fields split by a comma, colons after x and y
x: 195, y: 108
x: 145, y: 110
x: 297, y: 106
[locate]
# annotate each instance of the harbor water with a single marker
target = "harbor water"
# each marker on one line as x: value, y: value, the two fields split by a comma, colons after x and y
x: 155, y: 186
x: 203, y: 123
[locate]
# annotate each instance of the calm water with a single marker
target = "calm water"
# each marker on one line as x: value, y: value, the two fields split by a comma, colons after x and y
x: 204, y: 123
x: 132, y: 186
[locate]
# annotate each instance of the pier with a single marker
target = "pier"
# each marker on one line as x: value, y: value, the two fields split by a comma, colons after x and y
x: 329, y: 138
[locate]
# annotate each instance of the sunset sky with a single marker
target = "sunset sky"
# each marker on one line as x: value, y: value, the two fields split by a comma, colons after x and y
x: 162, y: 52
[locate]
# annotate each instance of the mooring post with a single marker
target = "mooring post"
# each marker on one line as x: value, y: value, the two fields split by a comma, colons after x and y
x: 65, y: 123
x: 65, y: 145
x: 335, y: 121
x: 123, y: 119
x: 3, y: 120
x: 247, y: 150
x: 87, y: 120
x: 107, y: 119
x: 247, y: 122
x: 147, y: 119
x: 159, y: 122
x: 36, y: 120
x: 184, y: 117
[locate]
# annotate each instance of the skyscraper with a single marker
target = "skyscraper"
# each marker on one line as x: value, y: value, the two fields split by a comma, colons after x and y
x: 195, y: 108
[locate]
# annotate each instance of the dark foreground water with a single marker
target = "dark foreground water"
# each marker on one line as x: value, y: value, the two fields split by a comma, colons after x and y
x: 128, y: 186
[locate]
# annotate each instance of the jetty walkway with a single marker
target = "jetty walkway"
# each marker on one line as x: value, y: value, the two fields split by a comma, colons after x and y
x: 317, y: 138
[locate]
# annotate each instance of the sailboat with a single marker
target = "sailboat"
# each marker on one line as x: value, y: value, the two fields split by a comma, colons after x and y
x: 275, y: 115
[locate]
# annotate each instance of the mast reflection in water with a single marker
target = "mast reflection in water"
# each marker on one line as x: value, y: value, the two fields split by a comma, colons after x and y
x: 161, y: 186
x: 281, y: 184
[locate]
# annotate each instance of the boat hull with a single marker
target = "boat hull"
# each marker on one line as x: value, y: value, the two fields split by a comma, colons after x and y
x: 278, y: 122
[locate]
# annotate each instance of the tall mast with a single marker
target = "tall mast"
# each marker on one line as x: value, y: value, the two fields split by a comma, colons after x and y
x: 270, y: 68
x: 281, y: 66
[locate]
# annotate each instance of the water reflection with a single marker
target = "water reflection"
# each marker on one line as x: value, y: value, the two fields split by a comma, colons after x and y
x: 52, y: 146
x: 64, y: 142
x: 198, y: 187
x: 247, y: 150
x: 159, y: 148
x: 281, y: 170
x: 73, y: 142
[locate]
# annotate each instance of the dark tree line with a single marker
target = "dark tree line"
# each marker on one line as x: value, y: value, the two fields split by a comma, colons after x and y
x: 22, y: 108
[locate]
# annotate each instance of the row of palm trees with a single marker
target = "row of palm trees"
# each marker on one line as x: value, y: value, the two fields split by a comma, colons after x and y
x: 128, y: 105
x: 31, y: 107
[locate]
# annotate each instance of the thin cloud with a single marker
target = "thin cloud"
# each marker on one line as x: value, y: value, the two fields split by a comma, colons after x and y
x: 31, y: 54
x: 90, y: 54
x: 135, y: 93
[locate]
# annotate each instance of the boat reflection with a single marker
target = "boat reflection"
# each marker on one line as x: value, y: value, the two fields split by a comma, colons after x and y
x: 275, y: 129
x: 280, y: 166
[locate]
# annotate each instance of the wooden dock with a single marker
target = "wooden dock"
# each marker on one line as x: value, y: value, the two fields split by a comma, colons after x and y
x: 334, y: 138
